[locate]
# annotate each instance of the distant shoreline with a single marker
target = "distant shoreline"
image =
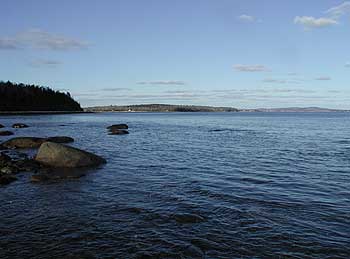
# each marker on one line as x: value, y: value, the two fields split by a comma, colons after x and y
x: 196, y: 108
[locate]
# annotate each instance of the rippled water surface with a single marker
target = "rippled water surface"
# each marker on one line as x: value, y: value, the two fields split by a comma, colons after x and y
x: 188, y: 185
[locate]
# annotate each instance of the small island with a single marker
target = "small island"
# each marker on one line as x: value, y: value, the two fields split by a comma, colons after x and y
x: 23, y: 98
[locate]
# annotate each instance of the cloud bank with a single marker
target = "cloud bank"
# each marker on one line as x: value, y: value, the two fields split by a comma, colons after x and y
x: 250, y: 68
x: 39, y: 39
x: 162, y: 82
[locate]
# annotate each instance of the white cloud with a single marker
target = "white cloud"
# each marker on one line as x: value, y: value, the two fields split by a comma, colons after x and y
x: 6, y: 43
x: 250, y: 68
x: 162, y: 82
x: 39, y: 39
x: 323, y: 78
x: 45, y: 63
x: 340, y: 10
x: 277, y: 81
x: 246, y: 18
x: 311, y: 22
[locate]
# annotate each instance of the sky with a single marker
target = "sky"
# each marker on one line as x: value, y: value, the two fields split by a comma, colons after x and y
x: 237, y: 53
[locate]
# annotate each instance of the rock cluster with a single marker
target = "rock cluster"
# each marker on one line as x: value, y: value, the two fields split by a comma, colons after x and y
x: 51, y: 161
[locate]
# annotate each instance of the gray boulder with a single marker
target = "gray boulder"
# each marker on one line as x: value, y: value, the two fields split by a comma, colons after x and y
x: 57, y: 155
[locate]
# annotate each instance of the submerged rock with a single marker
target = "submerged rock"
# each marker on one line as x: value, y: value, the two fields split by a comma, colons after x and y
x: 60, y: 139
x: 4, y: 159
x: 6, y: 179
x: 58, y: 155
x: 118, y: 132
x: 23, y: 142
x: 19, y: 125
x: 188, y: 218
x: 6, y: 133
x: 118, y: 127
x: 48, y: 174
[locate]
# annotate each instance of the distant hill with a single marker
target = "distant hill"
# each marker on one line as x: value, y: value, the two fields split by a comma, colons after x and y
x: 294, y: 109
x: 160, y: 108
x: 21, y: 97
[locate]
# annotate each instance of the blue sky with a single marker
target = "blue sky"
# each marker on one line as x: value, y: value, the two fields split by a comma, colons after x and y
x: 240, y: 53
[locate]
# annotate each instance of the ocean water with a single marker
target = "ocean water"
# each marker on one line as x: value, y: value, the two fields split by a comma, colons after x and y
x: 259, y: 185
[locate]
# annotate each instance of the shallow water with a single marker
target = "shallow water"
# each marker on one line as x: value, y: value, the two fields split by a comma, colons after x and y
x: 263, y: 185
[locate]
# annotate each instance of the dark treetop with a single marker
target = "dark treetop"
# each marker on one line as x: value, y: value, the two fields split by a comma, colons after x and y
x: 21, y: 97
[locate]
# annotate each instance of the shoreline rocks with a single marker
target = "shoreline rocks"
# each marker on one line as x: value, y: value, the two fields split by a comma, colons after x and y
x: 61, y: 156
x: 9, y: 167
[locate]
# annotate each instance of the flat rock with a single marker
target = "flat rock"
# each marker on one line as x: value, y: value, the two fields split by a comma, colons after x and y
x: 118, y: 127
x: 6, y: 133
x: 60, y: 139
x: 57, y: 155
x: 19, y: 125
x: 23, y: 142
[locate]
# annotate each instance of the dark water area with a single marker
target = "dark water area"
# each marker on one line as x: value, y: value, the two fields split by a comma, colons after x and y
x: 188, y: 185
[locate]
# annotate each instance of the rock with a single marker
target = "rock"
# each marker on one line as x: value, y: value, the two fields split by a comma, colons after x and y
x: 27, y: 165
x: 60, y: 139
x: 58, y: 155
x: 118, y: 127
x: 188, y: 218
x: 118, y: 132
x: 4, y: 159
x: 6, y: 133
x: 2, y: 126
x: 8, y: 170
x: 24, y: 142
x: 19, y: 125
x: 6, y: 179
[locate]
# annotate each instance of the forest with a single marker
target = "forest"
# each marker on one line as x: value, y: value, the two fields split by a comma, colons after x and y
x: 24, y: 97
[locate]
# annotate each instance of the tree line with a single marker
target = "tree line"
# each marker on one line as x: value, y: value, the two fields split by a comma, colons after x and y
x: 24, y: 97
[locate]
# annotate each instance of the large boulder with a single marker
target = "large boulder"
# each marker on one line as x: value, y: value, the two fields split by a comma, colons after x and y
x: 58, y: 155
x: 6, y: 133
x: 23, y: 142
x: 19, y: 125
x: 118, y: 127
